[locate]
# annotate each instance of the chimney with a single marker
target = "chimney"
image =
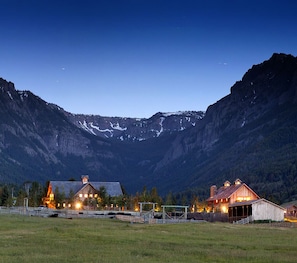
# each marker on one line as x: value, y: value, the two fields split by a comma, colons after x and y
x: 213, y: 190
x: 85, y: 179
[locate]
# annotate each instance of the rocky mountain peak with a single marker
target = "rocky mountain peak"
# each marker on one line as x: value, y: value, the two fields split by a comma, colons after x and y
x: 273, y: 77
x: 6, y: 86
x: 136, y: 129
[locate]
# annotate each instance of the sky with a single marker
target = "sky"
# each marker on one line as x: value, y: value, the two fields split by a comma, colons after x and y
x: 134, y: 58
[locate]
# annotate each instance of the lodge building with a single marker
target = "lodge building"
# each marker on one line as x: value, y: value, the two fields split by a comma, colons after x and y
x: 78, y: 191
x: 239, y: 201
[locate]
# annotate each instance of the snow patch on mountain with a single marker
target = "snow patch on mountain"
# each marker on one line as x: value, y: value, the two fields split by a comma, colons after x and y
x: 117, y: 127
x: 136, y: 129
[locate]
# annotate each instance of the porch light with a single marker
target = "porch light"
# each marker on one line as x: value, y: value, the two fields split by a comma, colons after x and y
x: 224, y: 209
x: 77, y: 205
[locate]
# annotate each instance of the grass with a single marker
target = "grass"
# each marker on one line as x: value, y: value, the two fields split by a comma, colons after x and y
x: 33, y: 239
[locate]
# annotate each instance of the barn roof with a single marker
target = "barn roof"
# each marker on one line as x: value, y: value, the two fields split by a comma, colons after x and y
x: 66, y: 187
x: 227, y: 191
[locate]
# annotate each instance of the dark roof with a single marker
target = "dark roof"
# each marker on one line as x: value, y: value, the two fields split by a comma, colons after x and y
x: 226, y: 191
x: 112, y: 188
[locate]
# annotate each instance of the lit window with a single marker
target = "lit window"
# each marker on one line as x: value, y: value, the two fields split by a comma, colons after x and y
x: 86, y: 195
x: 91, y: 195
x: 80, y: 195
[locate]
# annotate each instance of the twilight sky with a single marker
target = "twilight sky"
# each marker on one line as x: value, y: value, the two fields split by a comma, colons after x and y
x: 134, y: 58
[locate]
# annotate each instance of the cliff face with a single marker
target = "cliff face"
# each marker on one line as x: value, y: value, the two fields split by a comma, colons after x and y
x: 265, y: 88
x: 37, y: 141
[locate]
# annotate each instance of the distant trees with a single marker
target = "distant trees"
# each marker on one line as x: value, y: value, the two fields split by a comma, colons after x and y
x: 12, y: 195
x: 4, y: 196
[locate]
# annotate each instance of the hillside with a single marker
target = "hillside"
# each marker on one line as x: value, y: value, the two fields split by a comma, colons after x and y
x: 249, y: 134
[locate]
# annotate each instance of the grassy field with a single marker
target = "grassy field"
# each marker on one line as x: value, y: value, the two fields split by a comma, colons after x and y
x: 33, y: 239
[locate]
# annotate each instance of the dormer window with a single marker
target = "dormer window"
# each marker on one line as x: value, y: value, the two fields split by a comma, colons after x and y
x: 237, y: 181
x: 227, y: 184
x: 85, y: 179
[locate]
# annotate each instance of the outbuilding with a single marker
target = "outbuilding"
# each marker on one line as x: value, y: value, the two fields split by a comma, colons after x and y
x: 256, y: 210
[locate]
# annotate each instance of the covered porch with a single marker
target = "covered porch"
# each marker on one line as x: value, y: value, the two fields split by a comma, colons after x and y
x: 239, y: 210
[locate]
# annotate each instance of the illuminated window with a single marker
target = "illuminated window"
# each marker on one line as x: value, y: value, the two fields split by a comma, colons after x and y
x: 243, y: 198
x: 86, y: 195
x: 96, y: 195
x: 91, y: 195
x: 80, y: 195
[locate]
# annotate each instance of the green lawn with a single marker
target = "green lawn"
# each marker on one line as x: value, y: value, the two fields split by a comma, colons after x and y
x: 33, y: 239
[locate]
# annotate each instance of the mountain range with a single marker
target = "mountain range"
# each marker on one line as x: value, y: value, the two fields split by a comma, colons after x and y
x: 249, y: 134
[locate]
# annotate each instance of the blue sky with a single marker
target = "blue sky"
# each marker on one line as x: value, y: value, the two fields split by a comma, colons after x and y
x: 134, y: 58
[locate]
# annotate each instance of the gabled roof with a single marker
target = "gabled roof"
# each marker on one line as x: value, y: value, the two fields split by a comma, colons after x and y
x: 251, y: 202
x: 227, y: 191
x: 112, y: 188
x: 66, y: 187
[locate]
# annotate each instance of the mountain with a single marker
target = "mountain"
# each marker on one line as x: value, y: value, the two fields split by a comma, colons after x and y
x: 249, y: 134
x: 40, y: 141
x: 136, y: 129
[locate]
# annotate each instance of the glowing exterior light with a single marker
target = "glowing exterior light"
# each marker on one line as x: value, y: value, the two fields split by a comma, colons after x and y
x: 77, y: 205
x: 224, y: 209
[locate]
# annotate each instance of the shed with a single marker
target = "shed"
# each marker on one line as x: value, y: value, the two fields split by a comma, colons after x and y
x: 260, y: 209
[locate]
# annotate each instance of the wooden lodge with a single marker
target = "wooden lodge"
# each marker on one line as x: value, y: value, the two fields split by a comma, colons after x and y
x: 239, y: 202
x: 75, y: 192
